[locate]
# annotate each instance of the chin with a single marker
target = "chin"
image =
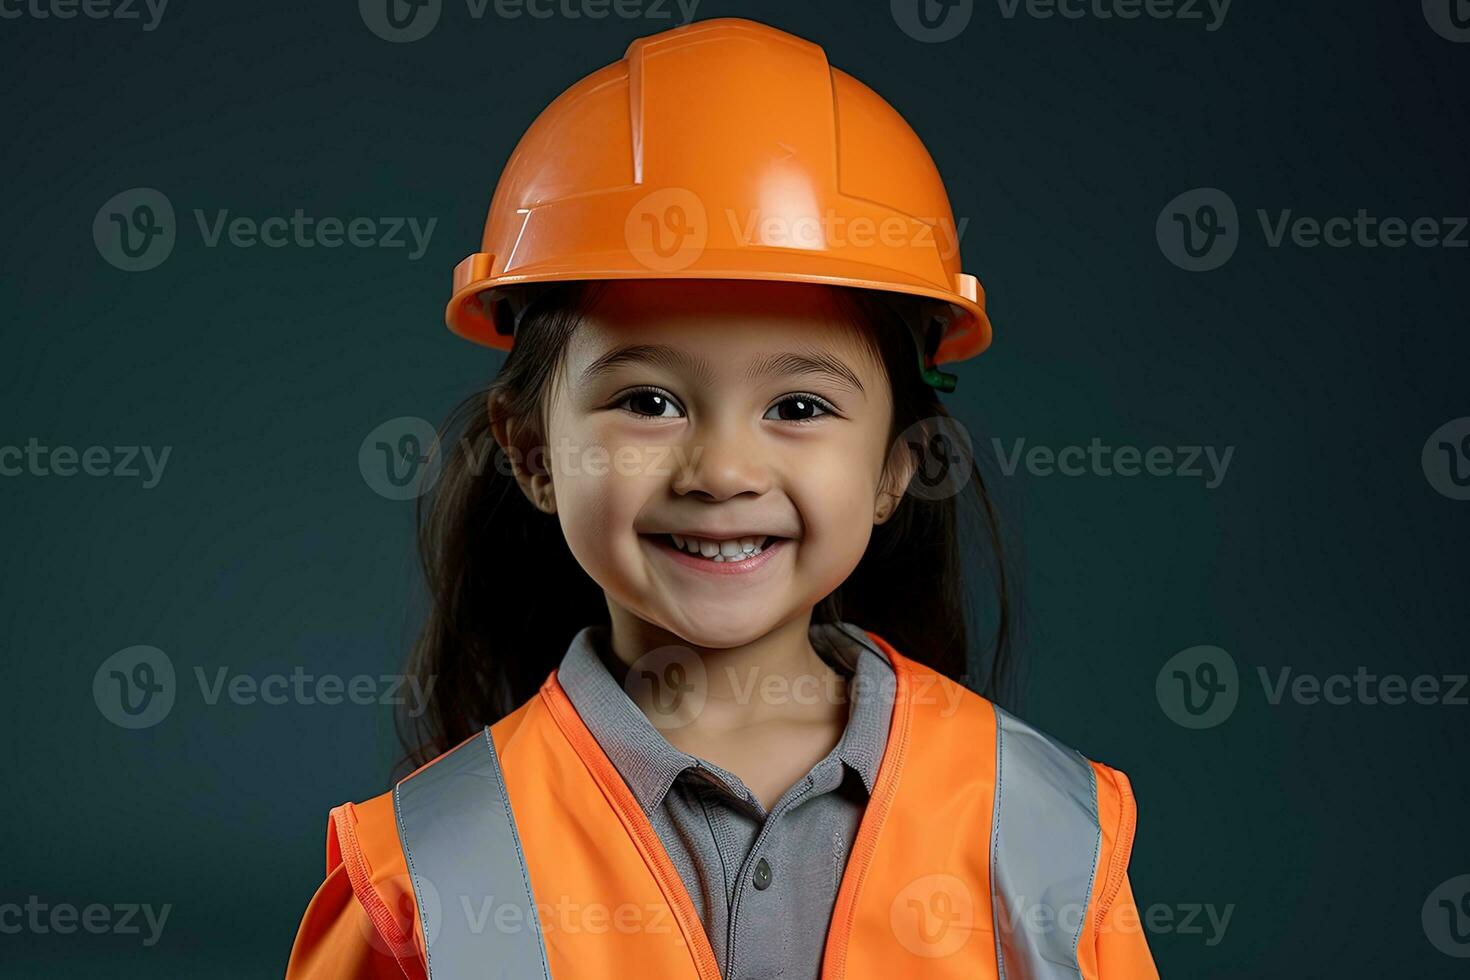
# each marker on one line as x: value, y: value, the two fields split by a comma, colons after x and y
x: 717, y: 628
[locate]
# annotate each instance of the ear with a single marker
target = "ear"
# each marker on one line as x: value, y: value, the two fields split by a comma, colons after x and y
x: 515, y: 434
x: 898, y: 470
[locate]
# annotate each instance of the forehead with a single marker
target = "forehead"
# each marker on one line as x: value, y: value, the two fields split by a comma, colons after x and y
x: 724, y: 320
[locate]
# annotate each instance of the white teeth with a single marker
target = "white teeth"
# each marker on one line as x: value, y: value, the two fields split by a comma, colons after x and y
x: 733, y: 549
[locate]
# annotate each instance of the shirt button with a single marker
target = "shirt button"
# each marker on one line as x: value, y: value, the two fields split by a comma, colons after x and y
x: 762, y: 875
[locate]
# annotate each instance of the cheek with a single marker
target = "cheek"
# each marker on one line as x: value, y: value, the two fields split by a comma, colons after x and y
x: 586, y: 512
x: 588, y: 506
x: 600, y: 491
x: 834, y: 491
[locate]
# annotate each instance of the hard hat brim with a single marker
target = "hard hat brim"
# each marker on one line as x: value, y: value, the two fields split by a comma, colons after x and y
x: 967, y: 334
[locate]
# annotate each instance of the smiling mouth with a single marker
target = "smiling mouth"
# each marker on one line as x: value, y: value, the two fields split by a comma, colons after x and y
x: 718, y: 552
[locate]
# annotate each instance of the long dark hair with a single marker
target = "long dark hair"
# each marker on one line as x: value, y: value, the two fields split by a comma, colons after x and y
x: 506, y: 595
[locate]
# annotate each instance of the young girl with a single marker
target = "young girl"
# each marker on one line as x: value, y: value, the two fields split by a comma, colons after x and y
x: 698, y: 628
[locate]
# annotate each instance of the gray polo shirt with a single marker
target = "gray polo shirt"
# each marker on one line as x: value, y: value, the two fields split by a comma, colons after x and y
x: 763, y: 883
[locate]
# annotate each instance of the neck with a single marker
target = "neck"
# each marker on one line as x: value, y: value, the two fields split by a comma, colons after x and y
x: 722, y: 689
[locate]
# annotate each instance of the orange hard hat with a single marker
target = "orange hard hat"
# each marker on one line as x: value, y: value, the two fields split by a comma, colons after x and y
x: 723, y: 149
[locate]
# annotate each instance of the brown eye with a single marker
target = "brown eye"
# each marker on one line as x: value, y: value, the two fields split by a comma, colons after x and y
x: 650, y: 403
x: 799, y: 408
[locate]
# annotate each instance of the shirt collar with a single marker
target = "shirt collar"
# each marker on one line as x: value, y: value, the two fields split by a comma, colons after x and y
x: 649, y: 764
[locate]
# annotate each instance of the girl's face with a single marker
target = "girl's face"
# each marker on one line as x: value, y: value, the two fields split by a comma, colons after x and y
x: 718, y: 411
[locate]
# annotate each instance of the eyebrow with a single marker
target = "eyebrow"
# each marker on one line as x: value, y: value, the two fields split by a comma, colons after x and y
x: 788, y: 363
x: 806, y: 361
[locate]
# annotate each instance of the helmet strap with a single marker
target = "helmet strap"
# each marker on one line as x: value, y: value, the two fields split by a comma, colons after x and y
x: 926, y: 319
x: 928, y: 329
x: 928, y: 345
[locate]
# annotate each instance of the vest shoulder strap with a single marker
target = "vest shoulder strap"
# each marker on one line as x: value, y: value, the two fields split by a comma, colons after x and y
x: 452, y: 815
x: 1056, y: 828
x: 1061, y: 836
x: 467, y: 867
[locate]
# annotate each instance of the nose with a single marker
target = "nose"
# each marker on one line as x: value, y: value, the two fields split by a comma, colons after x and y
x: 722, y: 460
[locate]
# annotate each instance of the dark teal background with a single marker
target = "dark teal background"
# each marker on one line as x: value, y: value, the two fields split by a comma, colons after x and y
x: 1324, y: 828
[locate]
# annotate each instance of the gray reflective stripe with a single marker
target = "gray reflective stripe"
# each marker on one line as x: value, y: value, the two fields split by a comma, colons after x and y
x: 469, y: 875
x: 1045, y: 838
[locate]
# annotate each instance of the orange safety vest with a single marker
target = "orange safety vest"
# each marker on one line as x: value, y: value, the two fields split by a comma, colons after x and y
x: 521, y: 853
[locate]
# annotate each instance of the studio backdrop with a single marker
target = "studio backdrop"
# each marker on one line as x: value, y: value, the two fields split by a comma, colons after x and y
x: 1224, y: 418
